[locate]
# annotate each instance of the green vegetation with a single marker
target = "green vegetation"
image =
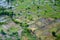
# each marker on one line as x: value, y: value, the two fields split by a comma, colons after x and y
x: 13, y: 29
x: 24, y: 12
x: 24, y: 25
x: 27, y: 32
x: 2, y: 23
x: 3, y: 33
x: 58, y: 37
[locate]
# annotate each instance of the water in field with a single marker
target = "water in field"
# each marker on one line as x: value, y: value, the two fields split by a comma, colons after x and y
x: 4, y: 3
x: 29, y: 19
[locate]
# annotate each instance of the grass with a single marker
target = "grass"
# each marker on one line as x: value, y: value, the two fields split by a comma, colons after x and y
x: 27, y: 34
x: 13, y: 29
x: 36, y: 11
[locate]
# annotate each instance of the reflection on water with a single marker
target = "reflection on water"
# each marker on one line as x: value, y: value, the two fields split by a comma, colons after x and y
x: 4, y: 3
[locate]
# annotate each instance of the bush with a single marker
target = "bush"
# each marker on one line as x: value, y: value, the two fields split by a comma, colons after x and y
x: 3, y: 33
x: 58, y: 37
x: 24, y: 25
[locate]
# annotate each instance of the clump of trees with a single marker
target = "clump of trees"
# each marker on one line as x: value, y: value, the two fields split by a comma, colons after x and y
x: 3, y: 33
x: 56, y: 35
x: 24, y: 25
x: 58, y: 38
x: 3, y: 11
